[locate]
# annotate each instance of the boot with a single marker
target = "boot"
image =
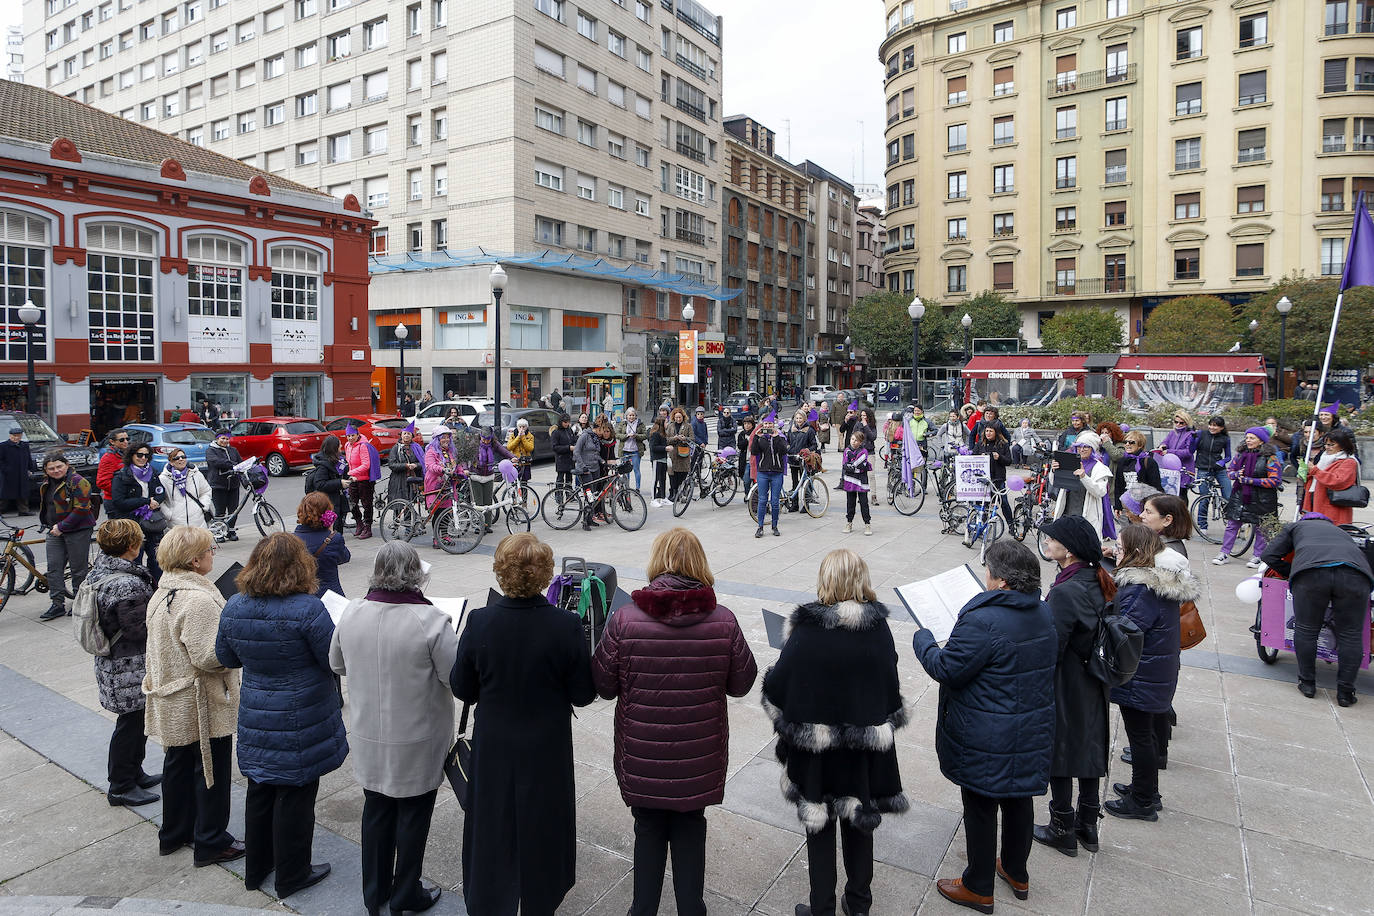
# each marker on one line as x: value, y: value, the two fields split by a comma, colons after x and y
x: 868, y: 529
x: 1059, y: 832
x: 1085, y: 826
x: 848, y: 527
x: 364, y: 532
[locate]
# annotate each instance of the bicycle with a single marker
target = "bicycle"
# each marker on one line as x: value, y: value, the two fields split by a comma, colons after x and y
x: 907, y: 500
x: 458, y: 527
x: 983, y: 519
x: 1209, y: 517
x: 265, y: 515
x: 565, y: 505
x: 17, y: 556
x: 1035, y: 506
x: 521, y: 492
x: 812, y: 493
x: 952, y: 513
x: 718, y: 478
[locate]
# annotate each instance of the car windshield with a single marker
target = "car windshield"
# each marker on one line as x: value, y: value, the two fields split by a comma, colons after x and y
x: 189, y: 437
x: 303, y: 427
x: 398, y: 423
x: 35, y: 430
x: 435, y: 411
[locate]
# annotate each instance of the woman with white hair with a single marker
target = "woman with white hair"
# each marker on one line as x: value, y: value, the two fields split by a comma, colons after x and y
x: 521, y: 445
x: 1095, y: 474
x: 397, y: 651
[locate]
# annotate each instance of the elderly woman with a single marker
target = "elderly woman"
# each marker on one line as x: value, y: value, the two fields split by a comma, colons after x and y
x: 678, y: 429
x: 397, y: 651
x: 525, y: 663
x: 188, y: 497
x: 521, y: 444
x: 290, y: 730
x: 1136, y: 466
x: 192, y: 700
x: 1181, y: 442
x: 836, y: 702
x: 315, y: 528
x: 632, y: 438
x: 441, y: 460
x: 137, y: 493
x: 122, y: 589
x: 1096, y: 477
x: 995, y: 728
x: 406, y: 461
x: 671, y: 724
x: 1336, y: 468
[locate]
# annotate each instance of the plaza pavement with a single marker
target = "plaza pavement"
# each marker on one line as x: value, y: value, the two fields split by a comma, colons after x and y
x: 1267, y: 799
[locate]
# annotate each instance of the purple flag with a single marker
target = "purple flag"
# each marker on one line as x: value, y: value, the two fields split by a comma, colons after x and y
x: 1359, y: 254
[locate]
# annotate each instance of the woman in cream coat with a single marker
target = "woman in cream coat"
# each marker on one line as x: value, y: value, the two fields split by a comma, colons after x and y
x: 188, y: 492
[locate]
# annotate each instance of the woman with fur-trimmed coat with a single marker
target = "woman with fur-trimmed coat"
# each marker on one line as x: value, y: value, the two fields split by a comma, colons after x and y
x: 836, y: 703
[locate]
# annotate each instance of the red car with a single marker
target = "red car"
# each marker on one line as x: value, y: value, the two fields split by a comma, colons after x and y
x: 383, y: 430
x: 280, y: 443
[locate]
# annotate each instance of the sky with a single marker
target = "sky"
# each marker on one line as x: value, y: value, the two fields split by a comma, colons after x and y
x: 801, y: 62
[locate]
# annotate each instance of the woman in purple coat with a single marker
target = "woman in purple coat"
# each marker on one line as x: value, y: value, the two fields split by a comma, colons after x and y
x: 1181, y: 441
x: 670, y: 659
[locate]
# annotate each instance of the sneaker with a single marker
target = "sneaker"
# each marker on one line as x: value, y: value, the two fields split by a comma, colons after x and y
x: 759, y: 533
x: 868, y: 530
x: 53, y: 613
x: 1220, y: 560
x: 848, y: 527
x: 1253, y: 564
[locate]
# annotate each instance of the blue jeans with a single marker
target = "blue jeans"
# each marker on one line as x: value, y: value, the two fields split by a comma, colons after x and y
x: 634, y: 458
x: 1205, y: 479
x: 770, y: 493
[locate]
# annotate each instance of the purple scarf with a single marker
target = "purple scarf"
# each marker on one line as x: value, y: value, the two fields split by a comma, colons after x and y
x: 143, y: 475
x: 342, y: 467
x: 179, y: 479
x: 1067, y: 572
x: 1139, y: 458
x: 1244, y: 466
x: 1108, y: 520
x: 385, y: 596
x: 486, y: 455
x: 418, y: 451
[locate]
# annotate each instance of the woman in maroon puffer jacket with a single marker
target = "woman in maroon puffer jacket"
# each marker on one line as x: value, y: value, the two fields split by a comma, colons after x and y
x: 671, y: 658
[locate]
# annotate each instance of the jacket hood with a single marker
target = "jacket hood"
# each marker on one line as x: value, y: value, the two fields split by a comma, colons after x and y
x: 1169, y: 578
x: 679, y: 607
x: 1004, y: 597
x: 190, y: 581
x: 846, y: 615
x: 106, y: 566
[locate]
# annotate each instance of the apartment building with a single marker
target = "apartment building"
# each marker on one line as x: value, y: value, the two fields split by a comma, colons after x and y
x: 869, y: 275
x: 1122, y: 152
x: 832, y: 212
x: 765, y: 235
x: 14, y: 54
x: 523, y: 126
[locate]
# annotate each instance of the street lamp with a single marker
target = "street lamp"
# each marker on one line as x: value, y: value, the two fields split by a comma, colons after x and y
x: 655, y: 350
x: 1284, y: 307
x: 917, y: 311
x: 967, y: 322
x: 498, y: 286
x: 402, y: 332
x: 29, y: 314
x: 849, y: 359
x: 688, y: 313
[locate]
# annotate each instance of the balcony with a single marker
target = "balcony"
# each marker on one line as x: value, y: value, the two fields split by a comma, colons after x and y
x: 687, y: 235
x: 696, y: 70
x: 1116, y: 125
x: 1333, y: 144
x: 688, y: 108
x: 1090, y: 286
x: 1067, y: 83
x: 691, y: 152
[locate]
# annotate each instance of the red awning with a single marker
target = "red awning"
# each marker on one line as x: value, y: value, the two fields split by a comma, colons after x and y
x: 1026, y: 366
x: 1228, y: 367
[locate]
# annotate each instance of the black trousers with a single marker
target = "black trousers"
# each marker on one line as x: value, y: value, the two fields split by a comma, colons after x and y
x: 675, y: 480
x: 656, y: 833
x: 278, y: 831
x: 127, y: 748
x: 1141, y: 730
x: 1061, y: 793
x: 980, y: 838
x: 394, y: 835
x: 1347, y: 593
x: 191, y: 813
x: 850, y: 498
x: 360, y: 493
x: 1164, y: 730
x: 857, y: 848
x: 563, y: 477
x: 225, y: 501
x: 660, y: 479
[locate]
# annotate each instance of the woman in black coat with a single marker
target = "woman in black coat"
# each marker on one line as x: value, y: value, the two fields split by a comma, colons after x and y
x: 995, y: 445
x: 1136, y: 465
x: 328, y: 475
x: 525, y: 664
x: 1078, y: 597
x: 137, y: 493
x: 836, y: 703
x: 406, y: 460
x: 562, y: 438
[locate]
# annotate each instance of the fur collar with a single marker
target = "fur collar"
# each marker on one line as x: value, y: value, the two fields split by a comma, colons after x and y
x: 847, y: 615
x: 1169, y: 578
x: 674, y: 604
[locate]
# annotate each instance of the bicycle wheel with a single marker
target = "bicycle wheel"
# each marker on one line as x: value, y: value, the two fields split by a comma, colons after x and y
x: 459, y: 529
x: 23, y: 579
x: 629, y: 509
x: 1267, y: 655
x: 909, y: 500
x: 399, y: 521
x: 268, y: 519
x: 724, y: 488
x: 685, y: 492
x: 527, y: 498
x: 7, y: 580
x: 1202, y: 511
x: 1244, y: 538
x: 816, y: 499
x: 562, y: 507
x: 517, y: 520
x: 751, y: 502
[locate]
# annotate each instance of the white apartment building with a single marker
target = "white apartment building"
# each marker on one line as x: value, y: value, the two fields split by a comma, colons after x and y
x: 589, y: 129
x: 14, y: 53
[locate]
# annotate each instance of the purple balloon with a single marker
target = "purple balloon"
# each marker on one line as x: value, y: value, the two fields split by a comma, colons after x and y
x: 1125, y: 427
x: 508, y: 472
x: 1171, y: 462
x: 1016, y: 484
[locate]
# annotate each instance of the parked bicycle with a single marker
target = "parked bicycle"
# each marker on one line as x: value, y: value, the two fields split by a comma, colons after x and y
x: 249, y: 476
x: 17, y: 560
x: 907, y: 499
x: 565, y: 505
x: 709, y: 474
x: 457, y: 526
x: 1035, y: 506
x: 810, y: 495
x: 983, y: 520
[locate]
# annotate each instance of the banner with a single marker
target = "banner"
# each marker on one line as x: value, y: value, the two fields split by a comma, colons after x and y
x: 215, y: 340
x: 967, y: 470
x: 687, y: 357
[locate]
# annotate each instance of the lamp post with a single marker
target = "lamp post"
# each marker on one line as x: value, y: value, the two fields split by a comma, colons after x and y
x: 29, y: 314
x: 655, y: 350
x: 917, y: 311
x: 966, y: 322
x: 401, y: 332
x: 498, y: 286
x: 1284, y: 307
x: 688, y: 313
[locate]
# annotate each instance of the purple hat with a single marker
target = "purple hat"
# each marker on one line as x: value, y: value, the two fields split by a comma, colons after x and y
x: 1259, y: 432
x: 350, y: 431
x: 1333, y: 409
x: 1306, y: 516
x: 410, y: 428
x: 853, y: 405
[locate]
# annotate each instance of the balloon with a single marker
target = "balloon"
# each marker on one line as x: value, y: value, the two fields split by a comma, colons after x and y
x: 508, y: 472
x: 1125, y: 427
x: 1248, y: 590
x: 1016, y: 484
x: 1169, y: 461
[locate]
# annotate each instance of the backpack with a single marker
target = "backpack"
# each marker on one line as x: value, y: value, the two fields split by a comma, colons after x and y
x: 310, y: 480
x: 1117, y: 644
x: 86, y: 621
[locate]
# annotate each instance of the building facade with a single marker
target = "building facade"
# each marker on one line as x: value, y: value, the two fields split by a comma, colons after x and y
x: 766, y: 234
x: 1121, y: 152
x: 165, y: 274
x: 869, y: 276
x: 832, y: 212
x: 14, y: 54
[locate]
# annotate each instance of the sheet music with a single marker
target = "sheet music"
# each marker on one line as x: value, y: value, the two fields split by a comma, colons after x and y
x: 453, y: 607
x: 935, y: 603
x: 335, y: 604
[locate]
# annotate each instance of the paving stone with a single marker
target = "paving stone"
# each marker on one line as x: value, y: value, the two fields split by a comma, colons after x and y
x: 598, y: 871
x: 1307, y: 815
x: 1295, y: 727
x: 1197, y: 791
x: 1133, y: 889
x: 1193, y: 847
x: 1310, y: 879
x: 894, y: 890
x: 1334, y: 773
x: 744, y: 856
x: 617, y: 900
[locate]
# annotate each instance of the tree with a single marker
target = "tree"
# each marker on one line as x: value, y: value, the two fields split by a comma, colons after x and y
x: 880, y: 325
x: 993, y: 314
x: 1191, y: 324
x: 1083, y: 330
x: 1309, y: 323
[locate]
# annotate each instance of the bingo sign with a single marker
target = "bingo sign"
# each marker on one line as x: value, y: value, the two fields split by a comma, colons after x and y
x: 967, y: 470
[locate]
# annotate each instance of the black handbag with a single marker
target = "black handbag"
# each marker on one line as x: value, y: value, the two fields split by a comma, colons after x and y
x: 458, y: 763
x: 1356, y: 497
x: 1117, y: 645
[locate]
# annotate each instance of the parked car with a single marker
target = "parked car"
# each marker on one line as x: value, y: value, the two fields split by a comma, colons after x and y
x: 432, y: 417
x: 739, y: 404
x: 280, y: 443
x: 192, y: 438
x: 42, y: 439
x: 541, y: 421
x: 820, y: 393
x: 383, y: 430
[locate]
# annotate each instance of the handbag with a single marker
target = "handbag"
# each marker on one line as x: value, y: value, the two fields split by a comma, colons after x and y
x: 458, y: 763
x: 154, y: 524
x: 209, y: 516
x: 1356, y: 497
x: 1190, y: 628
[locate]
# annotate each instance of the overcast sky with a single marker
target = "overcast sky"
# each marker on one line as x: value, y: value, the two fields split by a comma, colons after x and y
x: 806, y: 62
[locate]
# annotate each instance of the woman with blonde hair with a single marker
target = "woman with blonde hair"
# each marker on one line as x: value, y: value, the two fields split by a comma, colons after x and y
x: 525, y: 663
x: 836, y: 703
x: 192, y: 700
x: 671, y: 724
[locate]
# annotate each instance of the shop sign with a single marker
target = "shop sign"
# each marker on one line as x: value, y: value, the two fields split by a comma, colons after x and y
x: 126, y: 337
x: 1168, y: 376
x: 687, y: 357
x: 295, y: 341
x: 214, y: 340
x: 530, y: 318
x: 465, y: 316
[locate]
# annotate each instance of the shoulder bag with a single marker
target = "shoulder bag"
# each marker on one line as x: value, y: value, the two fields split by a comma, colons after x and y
x: 458, y: 761
x: 1190, y: 628
x: 1117, y: 644
x: 1356, y: 497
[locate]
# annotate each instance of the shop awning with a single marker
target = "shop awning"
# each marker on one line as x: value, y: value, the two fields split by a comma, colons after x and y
x: 1187, y: 367
x: 605, y: 373
x: 1026, y: 366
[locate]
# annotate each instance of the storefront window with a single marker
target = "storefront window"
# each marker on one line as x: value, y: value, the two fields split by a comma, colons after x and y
x: 583, y: 332
x: 529, y: 329
x: 14, y: 396
x: 460, y: 329
x: 23, y: 278
x: 297, y: 396
x: 115, y: 402
x: 228, y: 392
x: 119, y: 282
x: 1199, y: 397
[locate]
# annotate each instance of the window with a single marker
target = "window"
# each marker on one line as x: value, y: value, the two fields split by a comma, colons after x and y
x: 245, y: 31
x: 893, y: 196
x: 415, y: 234
x: 305, y: 8
x: 1118, y: 8
x: 339, y: 96
x: 307, y: 104
x: 1114, y: 213
x: 1114, y: 166
x: 413, y: 19
x: 271, y: 20
x: 374, y: 86
x: 374, y: 34
x: 615, y: 196
x: 1002, y: 275
x: 1364, y: 135
x: 247, y: 76
x: 23, y: 278
x: 1333, y: 258
x: 615, y: 145
x: 958, y: 43
x: 582, y: 331
x: 586, y: 187
x: 1337, y: 17
x: 438, y: 229
x: 1002, y: 31
x: 1066, y: 123
x: 1364, y: 74
x: 956, y: 136
x: 1250, y: 260
x: 549, y: 61
x: 1003, y: 224
x: 958, y: 228
x: 615, y: 93
x: 1066, y: 72
x: 439, y: 124
x: 1065, y: 275
x: 306, y: 55
x: 1250, y: 145
x: 374, y: 139
x: 307, y: 153
x: 438, y: 67
x: 1188, y: 99
x: 956, y: 278
x: 295, y: 284
x: 1003, y: 179
x: 908, y: 102
x: 615, y: 43
x: 1333, y: 135
x: 273, y: 67
x: 548, y: 175
x: 340, y: 148
x: 438, y: 13
x: 1188, y: 43
x: 171, y: 105
x: 1254, y: 30
x: 586, y: 238
x: 1188, y: 205
x: 1333, y: 75
x: 644, y: 59
x: 416, y: 182
x: 274, y: 114
x: 1065, y: 218
x: 1186, y: 264
x: 415, y: 74
x: 586, y: 79
x: 1253, y: 89
x: 375, y: 192
x: 1250, y: 199
x: 1187, y: 154
x: 1066, y: 172
x: 957, y: 183
x: 1003, y: 81
x: 120, y: 284
x: 551, y: 8
x: 219, y: 130
x: 957, y: 90
x: 1333, y: 195
x: 1003, y: 130
x: 691, y: 185
x: 586, y: 26
x: 908, y: 194
x: 908, y: 58
x: 548, y: 120
x: 642, y: 10
x: 1066, y: 18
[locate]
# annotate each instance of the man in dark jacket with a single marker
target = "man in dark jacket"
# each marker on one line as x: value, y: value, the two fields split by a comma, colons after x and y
x: 66, y: 515
x: 16, y: 461
x: 220, y: 458
x: 1066, y: 439
x: 561, y: 438
x: 995, y: 727
x: 1324, y: 568
x: 725, y: 427
x: 699, y: 432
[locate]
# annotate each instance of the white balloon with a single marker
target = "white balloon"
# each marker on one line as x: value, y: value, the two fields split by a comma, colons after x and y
x: 1248, y: 590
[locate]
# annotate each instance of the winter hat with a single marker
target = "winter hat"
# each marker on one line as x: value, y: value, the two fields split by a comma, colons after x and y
x: 1134, y: 498
x: 1078, y: 536
x: 350, y: 431
x: 1259, y: 432
x: 1333, y: 409
x: 410, y: 428
x: 1088, y: 440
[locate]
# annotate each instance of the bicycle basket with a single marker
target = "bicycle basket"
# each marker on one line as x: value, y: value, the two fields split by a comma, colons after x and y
x: 257, y: 479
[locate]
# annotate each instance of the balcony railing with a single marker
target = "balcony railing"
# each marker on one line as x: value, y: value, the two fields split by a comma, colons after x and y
x: 691, y: 152
x: 695, y: 69
x: 1116, y: 125
x: 687, y: 107
x: 1333, y: 144
x: 1092, y: 79
x: 1090, y: 286
x: 687, y: 235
